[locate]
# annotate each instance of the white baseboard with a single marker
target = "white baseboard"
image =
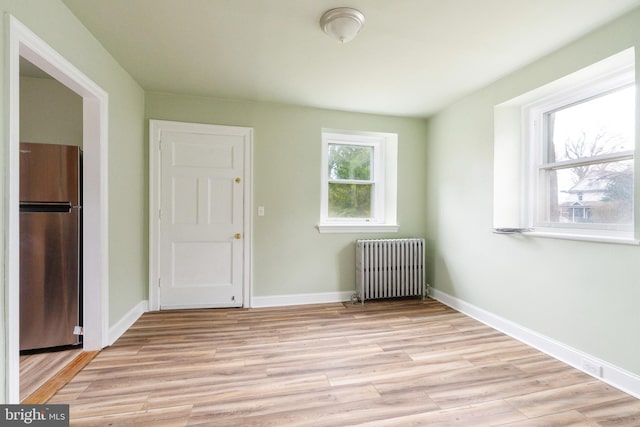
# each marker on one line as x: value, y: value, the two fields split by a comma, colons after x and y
x: 142, y: 307
x: 300, y: 299
x: 127, y: 321
x: 613, y: 375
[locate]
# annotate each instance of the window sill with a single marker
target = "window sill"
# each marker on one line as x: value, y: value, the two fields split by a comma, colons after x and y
x: 584, y: 237
x: 357, y: 228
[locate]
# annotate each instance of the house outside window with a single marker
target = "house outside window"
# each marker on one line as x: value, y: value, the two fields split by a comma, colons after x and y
x: 358, y: 187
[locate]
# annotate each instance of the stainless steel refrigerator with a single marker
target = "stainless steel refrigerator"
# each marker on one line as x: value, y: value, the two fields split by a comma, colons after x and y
x: 50, y: 245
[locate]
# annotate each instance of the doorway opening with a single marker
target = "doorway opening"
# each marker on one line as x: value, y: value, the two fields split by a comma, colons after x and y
x: 23, y: 43
x: 50, y: 237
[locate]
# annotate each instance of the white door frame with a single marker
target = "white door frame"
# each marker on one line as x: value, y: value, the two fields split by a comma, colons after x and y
x: 156, y: 127
x: 22, y: 42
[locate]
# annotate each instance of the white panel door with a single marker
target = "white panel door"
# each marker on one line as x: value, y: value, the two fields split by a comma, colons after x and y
x: 201, y: 217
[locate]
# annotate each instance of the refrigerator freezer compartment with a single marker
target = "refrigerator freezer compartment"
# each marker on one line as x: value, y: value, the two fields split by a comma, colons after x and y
x: 49, y: 173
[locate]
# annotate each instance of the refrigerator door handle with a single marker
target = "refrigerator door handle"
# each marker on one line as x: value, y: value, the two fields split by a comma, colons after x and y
x: 45, y: 207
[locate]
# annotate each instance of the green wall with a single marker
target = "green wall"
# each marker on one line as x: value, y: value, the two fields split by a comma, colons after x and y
x: 50, y: 113
x: 582, y: 294
x: 55, y: 24
x: 290, y: 256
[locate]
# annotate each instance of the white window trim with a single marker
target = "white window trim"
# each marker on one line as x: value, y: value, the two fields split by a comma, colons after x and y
x: 385, y: 178
x: 516, y: 158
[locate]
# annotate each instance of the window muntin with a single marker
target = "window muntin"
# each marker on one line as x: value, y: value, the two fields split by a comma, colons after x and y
x: 585, y: 176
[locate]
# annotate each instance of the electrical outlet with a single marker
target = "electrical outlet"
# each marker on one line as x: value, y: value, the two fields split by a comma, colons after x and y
x: 592, y: 368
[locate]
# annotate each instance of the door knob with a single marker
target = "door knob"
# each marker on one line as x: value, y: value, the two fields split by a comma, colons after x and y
x: 238, y: 236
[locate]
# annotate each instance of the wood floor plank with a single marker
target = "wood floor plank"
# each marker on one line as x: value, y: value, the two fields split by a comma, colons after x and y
x: 564, y: 419
x: 62, y: 377
x: 37, y: 369
x: 624, y: 412
x: 385, y: 363
x: 503, y: 388
x: 485, y: 414
x: 174, y: 416
x: 559, y: 399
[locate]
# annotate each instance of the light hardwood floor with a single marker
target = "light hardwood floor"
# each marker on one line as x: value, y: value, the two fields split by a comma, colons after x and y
x: 387, y: 363
x: 55, y: 372
x: 37, y: 369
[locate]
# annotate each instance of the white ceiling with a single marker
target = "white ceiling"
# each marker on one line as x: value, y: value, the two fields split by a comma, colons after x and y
x: 412, y: 57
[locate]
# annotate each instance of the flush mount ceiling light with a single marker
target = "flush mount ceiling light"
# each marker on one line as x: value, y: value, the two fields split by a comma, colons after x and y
x: 342, y: 23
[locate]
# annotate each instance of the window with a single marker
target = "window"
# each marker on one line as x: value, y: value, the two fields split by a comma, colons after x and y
x: 572, y: 175
x: 354, y: 182
x: 358, y: 182
x: 585, y: 168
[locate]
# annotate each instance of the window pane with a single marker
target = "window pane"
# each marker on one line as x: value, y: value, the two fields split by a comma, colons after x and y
x: 350, y: 200
x: 594, y: 127
x: 350, y: 161
x: 598, y: 194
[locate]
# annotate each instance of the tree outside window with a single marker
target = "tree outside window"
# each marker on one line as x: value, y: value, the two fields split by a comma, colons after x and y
x: 351, y: 188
